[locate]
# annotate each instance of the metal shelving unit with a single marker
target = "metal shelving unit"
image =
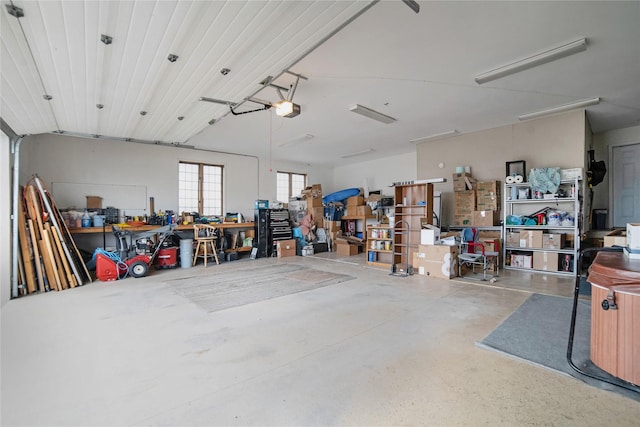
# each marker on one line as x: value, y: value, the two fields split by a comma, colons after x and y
x: 568, y: 255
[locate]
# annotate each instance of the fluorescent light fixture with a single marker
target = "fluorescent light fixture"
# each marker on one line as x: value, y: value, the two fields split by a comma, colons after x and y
x: 434, y: 137
x: 297, y: 140
x: 561, y: 108
x: 533, y: 61
x: 286, y: 108
x: 372, y: 114
x: 358, y: 153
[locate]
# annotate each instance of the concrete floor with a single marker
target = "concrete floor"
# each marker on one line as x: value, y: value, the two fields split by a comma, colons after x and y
x: 377, y: 350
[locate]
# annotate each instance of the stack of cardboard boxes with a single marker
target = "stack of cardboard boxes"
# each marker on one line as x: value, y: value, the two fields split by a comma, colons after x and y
x: 464, y: 199
x: 433, y: 258
x: 313, y: 196
x: 356, y: 207
x: 488, y: 202
x: 351, y: 242
x: 476, y: 203
x: 536, y: 239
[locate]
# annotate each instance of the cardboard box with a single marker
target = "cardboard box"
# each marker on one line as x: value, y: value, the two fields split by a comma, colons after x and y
x: 463, y: 181
x: 633, y: 236
x: 313, y: 202
x: 286, y: 248
x: 486, y: 218
x: 441, y: 261
x: 314, y: 191
x: 492, y: 244
x: 465, y: 202
x: 521, y: 261
x: 531, y: 239
x: 94, y: 202
x: 616, y: 238
x: 346, y: 249
x: 488, y: 188
x: 488, y: 196
x: 317, y: 214
x: 553, y: 241
x: 572, y: 173
x: 463, y: 219
x: 488, y: 204
x: 512, y: 239
x: 364, y: 210
x: 546, y: 261
x: 332, y: 225
x: 355, y: 201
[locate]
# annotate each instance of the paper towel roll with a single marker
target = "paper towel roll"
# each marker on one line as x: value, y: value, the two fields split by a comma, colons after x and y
x: 518, y: 179
x: 509, y: 179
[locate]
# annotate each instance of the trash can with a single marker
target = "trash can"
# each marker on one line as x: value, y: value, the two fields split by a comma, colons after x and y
x: 599, y: 220
x: 186, y: 253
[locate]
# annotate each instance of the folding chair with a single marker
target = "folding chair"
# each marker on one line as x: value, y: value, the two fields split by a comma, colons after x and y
x: 475, y: 254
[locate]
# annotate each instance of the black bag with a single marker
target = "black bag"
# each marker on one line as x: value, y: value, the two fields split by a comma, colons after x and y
x: 597, y: 170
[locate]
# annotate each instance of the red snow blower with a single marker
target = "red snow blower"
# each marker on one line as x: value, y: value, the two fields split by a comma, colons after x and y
x: 129, y: 259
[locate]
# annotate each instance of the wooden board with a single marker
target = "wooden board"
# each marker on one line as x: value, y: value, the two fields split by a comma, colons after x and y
x: 25, y: 246
x: 36, y: 256
x: 48, y: 268
x: 65, y: 262
x: 56, y: 256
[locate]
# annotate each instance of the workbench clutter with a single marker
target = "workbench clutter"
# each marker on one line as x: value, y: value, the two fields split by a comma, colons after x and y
x: 476, y: 203
x: 49, y: 258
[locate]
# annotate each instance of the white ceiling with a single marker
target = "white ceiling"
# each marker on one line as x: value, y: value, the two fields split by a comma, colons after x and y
x: 418, y: 68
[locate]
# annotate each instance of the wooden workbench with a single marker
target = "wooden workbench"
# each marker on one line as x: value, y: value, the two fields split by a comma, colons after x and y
x: 181, y: 227
x: 223, y: 226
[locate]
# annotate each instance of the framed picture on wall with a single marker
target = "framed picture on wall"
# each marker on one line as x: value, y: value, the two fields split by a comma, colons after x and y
x: 517, y: 167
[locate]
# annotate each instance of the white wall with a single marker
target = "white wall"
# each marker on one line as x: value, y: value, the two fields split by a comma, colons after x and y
x: 602, y: 145
x: 61, y: 159
x: 376, y: 174
x: 557, y: 141
x: 5, y: 224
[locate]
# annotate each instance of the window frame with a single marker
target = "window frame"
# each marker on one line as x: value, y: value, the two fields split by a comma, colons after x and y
x: 201, y: 169
x: 290, y: 182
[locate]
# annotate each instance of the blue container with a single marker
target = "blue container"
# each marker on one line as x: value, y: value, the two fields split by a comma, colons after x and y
x: 372, y: 256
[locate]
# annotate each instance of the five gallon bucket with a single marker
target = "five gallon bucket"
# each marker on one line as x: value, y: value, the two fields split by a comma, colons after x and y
x: 186, y: 252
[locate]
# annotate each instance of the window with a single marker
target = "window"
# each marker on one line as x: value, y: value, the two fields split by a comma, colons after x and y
x: 290, y: 184
x: 200, y: 188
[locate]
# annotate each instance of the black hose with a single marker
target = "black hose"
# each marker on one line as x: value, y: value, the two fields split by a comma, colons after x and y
x: 572, y: 329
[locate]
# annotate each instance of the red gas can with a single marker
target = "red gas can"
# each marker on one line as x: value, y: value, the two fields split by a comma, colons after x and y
x: 167, y: 258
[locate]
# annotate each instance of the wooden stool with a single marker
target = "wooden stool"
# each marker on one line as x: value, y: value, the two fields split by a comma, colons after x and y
x: 205, y: 237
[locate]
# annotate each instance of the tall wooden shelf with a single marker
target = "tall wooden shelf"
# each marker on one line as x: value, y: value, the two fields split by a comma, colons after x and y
x: 412, y: 203
x: 380, y: 243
